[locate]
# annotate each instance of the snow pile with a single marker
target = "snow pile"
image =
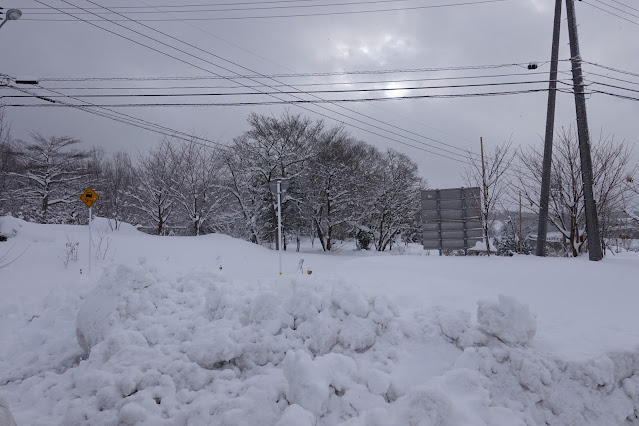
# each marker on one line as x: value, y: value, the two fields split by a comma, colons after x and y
x: 203, y: 349
x: 508, y: 320
x: 603, y: 391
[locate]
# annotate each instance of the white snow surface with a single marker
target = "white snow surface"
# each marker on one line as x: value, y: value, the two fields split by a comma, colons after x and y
x: 158, y: 335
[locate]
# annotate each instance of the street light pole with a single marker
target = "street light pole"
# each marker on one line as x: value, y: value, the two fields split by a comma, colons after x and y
x: 278, y: 187
x: 12, y: 15
x: 279, y: 222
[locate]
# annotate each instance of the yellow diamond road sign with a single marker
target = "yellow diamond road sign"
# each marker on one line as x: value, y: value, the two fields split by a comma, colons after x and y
x: 89, y: 197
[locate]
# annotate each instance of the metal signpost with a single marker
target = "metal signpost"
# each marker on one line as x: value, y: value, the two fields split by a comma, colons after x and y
x: 88, y: 198
x: 278, y: 187
x: 451, y: 218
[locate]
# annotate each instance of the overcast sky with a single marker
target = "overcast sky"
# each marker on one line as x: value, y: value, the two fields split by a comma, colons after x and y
x: 488, y: 33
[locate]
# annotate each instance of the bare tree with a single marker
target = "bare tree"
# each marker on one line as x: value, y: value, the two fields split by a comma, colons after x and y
x: 333, y: 186
x: 51, y: 170
x: 248, y: 197
x: 8, y: 164
x: 566, y: 204
x: 271, y: 148
x: 610, y: 175
x: 492, y: 178
x: 153, y: 189
x: 197, y: 182
x: 118, y: 183
x: 631, y: 197
x: 394, y: 191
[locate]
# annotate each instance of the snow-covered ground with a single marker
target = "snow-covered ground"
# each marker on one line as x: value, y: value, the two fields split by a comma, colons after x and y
x: 158, y: 334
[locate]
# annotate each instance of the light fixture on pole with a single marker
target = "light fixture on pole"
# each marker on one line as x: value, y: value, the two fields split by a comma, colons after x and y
x: 12, y: 15
x: 278, y: 187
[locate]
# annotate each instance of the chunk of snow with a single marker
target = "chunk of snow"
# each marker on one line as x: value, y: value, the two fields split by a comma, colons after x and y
x: 294, y: 415
x: 508, y: 320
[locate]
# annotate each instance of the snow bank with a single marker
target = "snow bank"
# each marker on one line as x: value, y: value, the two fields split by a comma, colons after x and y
x: 304, y: 350
x: 10, y: 226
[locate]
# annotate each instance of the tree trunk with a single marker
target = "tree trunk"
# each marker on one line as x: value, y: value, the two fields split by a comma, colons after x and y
x: 320, y: 234
x: 160, y: 221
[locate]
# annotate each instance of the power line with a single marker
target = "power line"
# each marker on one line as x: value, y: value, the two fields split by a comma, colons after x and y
x: 234, y: 8
x: 174, y: 133
x: 625, y: 5
x: 467, y: 153
x: 297, y: 15
x: 158, y: 7
x: 393, y: 89
x: 617, y: 95
x: 294, y: 75
x: 88, y: 106
x: 618, y: 9
x: 465, y: 156
x: 377, y: 127
x: 338, y: 120
x: 615, y: 86
x: 611, y: 69
x: 337, y: 83
x: 303, y: 101
x: 300, y: 106
x: 610, y: 13
x: 613, y: 78
x: 132, y: 122
x: 376, y: 106
x: 127, y: 119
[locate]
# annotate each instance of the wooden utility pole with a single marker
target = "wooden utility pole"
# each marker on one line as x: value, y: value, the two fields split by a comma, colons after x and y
x: 483, y: 178
x: 542, y: 228
x: 592, y: 221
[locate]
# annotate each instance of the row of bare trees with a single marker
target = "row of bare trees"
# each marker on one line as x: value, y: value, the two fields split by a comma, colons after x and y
x: 510, y: 172
x: 341, y: 187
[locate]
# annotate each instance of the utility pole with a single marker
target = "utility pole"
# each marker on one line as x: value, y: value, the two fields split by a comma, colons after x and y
x: 483, y: 178
x: 592, y: 222
x: 542, y: 228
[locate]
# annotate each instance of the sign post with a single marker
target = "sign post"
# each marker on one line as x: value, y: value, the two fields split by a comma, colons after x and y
x: 278, y: 187
x: 88, y: 198
x: 451, y: 219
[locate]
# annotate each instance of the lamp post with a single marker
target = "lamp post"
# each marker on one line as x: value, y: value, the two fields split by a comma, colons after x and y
x: 12, y: 15
x: 278, y: 187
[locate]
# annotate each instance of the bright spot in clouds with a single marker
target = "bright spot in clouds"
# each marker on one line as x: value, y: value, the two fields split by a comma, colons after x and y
x: 395, y: 93
x: 381, y: 49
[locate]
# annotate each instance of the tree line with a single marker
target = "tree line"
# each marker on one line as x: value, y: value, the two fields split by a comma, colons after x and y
x: 341, y: 188
x: 511, y: 173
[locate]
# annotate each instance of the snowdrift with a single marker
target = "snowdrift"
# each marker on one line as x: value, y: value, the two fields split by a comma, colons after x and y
x: 140, y: 341
x: 202, y: 349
